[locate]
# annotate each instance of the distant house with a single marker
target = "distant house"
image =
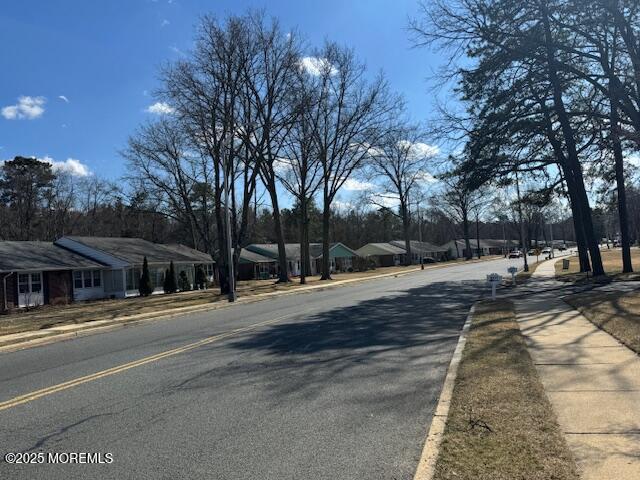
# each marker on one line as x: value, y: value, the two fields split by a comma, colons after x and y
x: 292, y: 252
x: 39, y: 273
x: 122, y: 259
x: 423, y: 251
x: 341, y: 257
x: 383, y: 254
x: 488, y: 246
x: 252, y: 266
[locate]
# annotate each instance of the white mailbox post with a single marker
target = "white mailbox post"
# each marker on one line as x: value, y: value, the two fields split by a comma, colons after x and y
x: 494, y: 280
x: 513, y: 271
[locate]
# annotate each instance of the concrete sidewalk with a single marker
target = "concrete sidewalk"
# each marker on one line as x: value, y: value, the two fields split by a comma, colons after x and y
x: 592, y: 381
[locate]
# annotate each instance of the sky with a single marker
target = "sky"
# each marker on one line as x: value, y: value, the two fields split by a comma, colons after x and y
x: 78, y: 76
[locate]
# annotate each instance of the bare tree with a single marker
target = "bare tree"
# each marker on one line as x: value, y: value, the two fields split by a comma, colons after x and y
x: 352, y: 114
x: 400, y: 159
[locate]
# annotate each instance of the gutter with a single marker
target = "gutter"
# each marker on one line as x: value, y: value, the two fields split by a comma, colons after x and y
x: 4, y: 290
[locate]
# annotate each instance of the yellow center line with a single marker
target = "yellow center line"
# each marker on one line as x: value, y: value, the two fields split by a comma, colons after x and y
x: 136, y: 363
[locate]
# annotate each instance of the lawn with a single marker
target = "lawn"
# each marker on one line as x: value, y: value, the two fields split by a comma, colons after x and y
x: 611, y: 261
x: 501, y: 424
x: 617, y: 313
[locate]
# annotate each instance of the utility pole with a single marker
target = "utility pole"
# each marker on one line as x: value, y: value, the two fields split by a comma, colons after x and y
x: 551, y: 235
x: 420, y: 236
x: 227, y: 213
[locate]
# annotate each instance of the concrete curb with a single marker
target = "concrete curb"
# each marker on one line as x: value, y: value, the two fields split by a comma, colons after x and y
x: 427, y: 464
x: 22, y: 340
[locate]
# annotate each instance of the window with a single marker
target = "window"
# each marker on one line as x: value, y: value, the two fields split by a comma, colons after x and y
x: 36, y: 282
x: 97, y: 280
x: 87, y: 279
x: 23, y: 283
x: 77, y: 279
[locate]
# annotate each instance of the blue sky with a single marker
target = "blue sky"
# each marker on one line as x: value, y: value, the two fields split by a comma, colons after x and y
x: 103, y: 58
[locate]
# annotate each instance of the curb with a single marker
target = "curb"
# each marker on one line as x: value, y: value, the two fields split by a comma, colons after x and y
x: 22, y: 340
x: 427, y: 464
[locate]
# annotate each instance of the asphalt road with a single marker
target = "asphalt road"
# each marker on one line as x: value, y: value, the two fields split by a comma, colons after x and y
x: 341, y: 384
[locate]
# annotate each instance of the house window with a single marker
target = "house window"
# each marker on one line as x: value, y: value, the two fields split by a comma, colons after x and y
x: 23, y: 283
x: 36, y: 282
x: 87, y: 279
x: 97, y: 279
x: 77, y: 279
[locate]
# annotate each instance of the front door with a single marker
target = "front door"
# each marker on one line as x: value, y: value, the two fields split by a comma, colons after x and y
x: 30, y: 289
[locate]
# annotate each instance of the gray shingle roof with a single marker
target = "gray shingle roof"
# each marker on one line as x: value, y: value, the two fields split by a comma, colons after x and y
x: 197, y: 255
x: 418, y: 246
x: 133, y: 250
x: 23, y: 256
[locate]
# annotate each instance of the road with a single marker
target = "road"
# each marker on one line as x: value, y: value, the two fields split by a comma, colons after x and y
x: 335, y: 384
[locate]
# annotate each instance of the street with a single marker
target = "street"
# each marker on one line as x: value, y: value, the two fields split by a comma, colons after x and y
x: 334, y: 384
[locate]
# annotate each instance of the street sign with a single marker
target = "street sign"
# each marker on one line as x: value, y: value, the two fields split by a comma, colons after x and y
x: 494, y: 280
x: 513, y: 271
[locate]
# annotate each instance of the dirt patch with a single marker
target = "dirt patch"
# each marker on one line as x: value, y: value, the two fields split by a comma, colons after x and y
x: 611, y: 261
x: 501, y: 424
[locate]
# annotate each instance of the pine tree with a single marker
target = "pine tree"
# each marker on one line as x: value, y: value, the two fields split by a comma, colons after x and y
x: 146, y: 287
x: 170, y: 280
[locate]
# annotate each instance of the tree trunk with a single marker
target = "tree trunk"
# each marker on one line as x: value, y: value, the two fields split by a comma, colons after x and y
x: 326, y: 262
x: 627, y: 267
x: 478, y: 236
x: 283, y: 274
x: 468, y: 255
x: 405, y: 231
x: 304, y: 241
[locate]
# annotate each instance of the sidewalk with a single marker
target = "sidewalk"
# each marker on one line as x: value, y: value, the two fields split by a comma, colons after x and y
x: 592, y: 381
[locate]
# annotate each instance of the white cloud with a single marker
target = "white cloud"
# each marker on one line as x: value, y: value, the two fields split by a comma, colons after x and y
x: 63, y: 98
x: 177, y: 51
x: 356, y: 185
x: 426, y: 177
x: 342, y: 206
x: 385, y: 200
x: 160, y: 108
x: 70, y: 165
x: 633, y: 159
x: 164, y: 23
x: 421, y: 150
x: 26, y: 108
x: 315, y: 66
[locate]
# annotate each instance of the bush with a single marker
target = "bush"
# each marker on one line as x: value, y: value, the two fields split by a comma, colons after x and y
x: 183, y: 282
x: 146, y: 287
x: 169, y: 284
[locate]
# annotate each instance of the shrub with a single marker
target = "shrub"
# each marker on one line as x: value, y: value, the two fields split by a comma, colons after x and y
x: 201, y: 278
x: 146, y: 287
x: 183, y: 281
x: 169, y: 284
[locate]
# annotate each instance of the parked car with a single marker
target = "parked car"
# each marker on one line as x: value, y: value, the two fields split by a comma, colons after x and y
x: 562, y: 248
x: 546, y: 250
x: 532, y: 252
x: 515, y: 254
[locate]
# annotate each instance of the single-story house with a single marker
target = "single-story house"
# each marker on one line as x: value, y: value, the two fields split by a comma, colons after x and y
x: 382, y: 254
x: 122, y: 259
x: 422, y: 251
x: 488, y: 246
x: 39, y: 273
x: 252, y: 266
x: 292, y: 252
x: 341, y: 257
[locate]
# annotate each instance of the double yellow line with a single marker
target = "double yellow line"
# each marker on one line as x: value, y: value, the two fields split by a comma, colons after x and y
x: 14, y: 402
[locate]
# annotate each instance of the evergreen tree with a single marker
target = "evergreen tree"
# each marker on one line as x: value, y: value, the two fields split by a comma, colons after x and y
x: 146, y: 287
x: 170, y: 280
x: 183, y: 282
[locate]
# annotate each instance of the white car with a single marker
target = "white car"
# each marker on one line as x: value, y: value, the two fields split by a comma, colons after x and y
x: 515, y: 254
x: 546, y: 250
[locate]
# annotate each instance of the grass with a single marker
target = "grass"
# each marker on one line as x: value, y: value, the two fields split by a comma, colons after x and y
x: 501, y: 425
x: 611, y: 261
x: 523, y: 276
x: 617, y: 313
x: 81, y: 312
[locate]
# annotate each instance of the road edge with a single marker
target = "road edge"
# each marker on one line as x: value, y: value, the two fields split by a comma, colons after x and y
x: 427, y: 464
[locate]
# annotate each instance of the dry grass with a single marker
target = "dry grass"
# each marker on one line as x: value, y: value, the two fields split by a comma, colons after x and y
x: 523, y: 276
x: 501, y: 425
x: 81, y: 312
x: 611, y: 261
x: 616, y: 313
